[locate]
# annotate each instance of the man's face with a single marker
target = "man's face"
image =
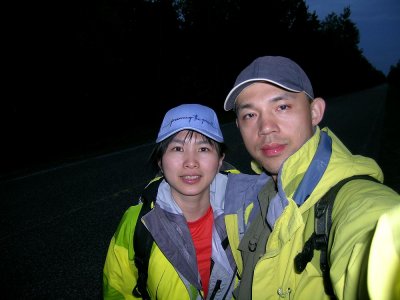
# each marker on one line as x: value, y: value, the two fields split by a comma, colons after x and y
x: 274, y: 123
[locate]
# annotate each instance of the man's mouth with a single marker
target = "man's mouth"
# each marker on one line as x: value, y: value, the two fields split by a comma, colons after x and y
x: 273, y: 149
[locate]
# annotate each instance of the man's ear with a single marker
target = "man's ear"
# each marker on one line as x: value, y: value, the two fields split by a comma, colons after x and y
x: 317, y: 110
x: 237, y: 125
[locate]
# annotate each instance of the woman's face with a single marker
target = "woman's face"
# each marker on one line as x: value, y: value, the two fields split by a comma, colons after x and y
x: 190, y: 164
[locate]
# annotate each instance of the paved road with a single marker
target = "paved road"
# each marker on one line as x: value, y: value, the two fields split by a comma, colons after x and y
x: 56, y: 224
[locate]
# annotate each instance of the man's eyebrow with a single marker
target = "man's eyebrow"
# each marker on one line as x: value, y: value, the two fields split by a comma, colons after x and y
x: 282, y: 96
x: 242, y: 106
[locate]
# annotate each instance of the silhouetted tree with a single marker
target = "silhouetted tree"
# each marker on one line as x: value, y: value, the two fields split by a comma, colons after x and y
x: 339, y: 66
x: 107, y: 62
x: 394, y: 75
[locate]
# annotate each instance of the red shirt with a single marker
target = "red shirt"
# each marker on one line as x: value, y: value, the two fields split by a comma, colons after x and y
x: 201, y: 231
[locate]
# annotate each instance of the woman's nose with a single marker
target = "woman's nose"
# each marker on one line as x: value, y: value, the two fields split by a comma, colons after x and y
x: 191, y: 161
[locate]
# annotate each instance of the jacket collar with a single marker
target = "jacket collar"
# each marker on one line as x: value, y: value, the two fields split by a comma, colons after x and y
x: 307, y: 165
x: 217, y: 196
x: 302, y: 171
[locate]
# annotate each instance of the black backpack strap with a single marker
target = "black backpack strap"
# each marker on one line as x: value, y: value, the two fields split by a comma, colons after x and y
x: 319, y: 239
x: 143, y: 241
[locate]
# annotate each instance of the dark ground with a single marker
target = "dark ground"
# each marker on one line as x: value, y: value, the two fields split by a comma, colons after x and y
x: 25, y: 153
x: 20, y: 161
x: 56, y: 224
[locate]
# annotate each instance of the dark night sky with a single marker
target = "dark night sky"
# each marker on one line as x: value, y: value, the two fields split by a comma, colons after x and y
x: 379, y: 25
x: 62, y: 98
x: 69, y: 91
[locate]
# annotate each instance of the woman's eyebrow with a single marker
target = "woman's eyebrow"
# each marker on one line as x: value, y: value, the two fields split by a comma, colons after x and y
x: 177, y: 140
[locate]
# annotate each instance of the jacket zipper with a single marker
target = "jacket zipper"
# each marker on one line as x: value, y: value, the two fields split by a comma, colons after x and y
x: 216, y: 289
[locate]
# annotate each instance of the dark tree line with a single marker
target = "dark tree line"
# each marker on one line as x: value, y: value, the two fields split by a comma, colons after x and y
x: 163, y: 52
x: 394, y: 75
x: 109, y: 69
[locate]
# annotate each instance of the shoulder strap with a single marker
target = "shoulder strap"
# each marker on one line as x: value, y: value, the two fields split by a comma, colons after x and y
x: 143, y: 240
x: 319, y: 239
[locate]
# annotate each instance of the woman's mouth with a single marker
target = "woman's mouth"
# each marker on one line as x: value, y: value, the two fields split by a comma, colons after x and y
x: 190, y: 179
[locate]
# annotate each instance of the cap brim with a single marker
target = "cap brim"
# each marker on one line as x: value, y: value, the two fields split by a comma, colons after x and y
x: 201, y: 131
x: 234, y: 93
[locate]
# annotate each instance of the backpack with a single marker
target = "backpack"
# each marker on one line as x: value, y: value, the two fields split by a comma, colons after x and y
x: 320, y: 237
x: 143, y: 240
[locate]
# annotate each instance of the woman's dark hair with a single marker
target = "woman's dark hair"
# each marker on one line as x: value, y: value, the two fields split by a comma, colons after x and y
x: 160, y: 148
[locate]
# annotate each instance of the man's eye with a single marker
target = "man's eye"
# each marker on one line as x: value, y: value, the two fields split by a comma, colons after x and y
x: 248, y: 116
x: 283, y: 107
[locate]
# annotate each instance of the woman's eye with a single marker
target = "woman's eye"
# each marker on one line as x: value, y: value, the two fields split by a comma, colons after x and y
x: 204, y: 149
x: 177, y: 149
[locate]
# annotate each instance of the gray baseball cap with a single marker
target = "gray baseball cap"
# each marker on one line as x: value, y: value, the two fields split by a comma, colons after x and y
x: 195, y: 117
x: 278, y: 70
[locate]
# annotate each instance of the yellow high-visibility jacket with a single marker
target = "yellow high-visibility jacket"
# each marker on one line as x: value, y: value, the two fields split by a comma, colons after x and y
x: 172, y: 271
x: 357, y: 207
x: 384, y: 258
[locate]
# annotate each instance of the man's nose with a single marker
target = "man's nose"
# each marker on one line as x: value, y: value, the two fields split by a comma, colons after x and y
x: 267, y: 124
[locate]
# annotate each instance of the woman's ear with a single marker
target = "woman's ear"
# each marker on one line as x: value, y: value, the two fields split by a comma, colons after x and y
x: 221, y: 160
x: 317, y: 110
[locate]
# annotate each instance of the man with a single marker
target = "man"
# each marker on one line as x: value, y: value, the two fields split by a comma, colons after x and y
x: 273, y: 212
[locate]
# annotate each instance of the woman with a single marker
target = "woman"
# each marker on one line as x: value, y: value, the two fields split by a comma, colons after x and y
x: 189, y: 259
